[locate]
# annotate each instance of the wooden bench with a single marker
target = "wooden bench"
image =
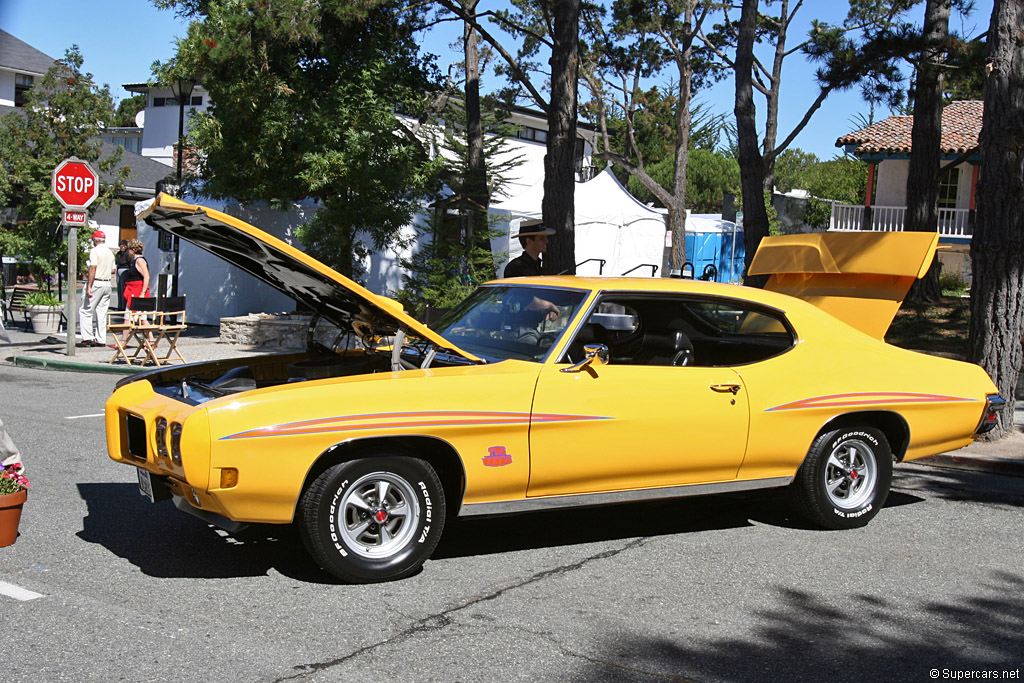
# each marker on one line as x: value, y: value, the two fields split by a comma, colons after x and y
x: 14, y: 303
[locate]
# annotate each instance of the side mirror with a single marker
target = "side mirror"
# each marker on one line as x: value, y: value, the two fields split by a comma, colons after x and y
x: 593, y: 354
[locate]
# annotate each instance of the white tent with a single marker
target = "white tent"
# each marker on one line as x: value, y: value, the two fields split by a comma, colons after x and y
x: 610, y: 224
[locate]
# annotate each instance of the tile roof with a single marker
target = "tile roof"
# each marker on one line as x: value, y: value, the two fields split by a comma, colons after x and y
x: 17, y: 55
x: 961, y: 126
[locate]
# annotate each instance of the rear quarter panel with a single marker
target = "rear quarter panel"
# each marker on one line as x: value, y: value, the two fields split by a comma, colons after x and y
x: 835, y: 370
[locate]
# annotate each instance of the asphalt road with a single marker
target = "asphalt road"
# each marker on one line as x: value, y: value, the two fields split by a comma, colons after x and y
x: 728, y: 588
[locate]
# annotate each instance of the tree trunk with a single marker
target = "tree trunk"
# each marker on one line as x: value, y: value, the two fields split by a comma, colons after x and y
x: 677, y: 210
x: 997, y: 248
x: 558, y: 205
x: 926, y: 138
x: 755, y: 217
x: 677, y: 226
x: 771, y: 123
x: 476, y: 168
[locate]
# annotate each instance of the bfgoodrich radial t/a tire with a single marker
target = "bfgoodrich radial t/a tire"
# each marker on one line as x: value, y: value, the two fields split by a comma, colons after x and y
x: 845, y: 478
x: 373, y: 519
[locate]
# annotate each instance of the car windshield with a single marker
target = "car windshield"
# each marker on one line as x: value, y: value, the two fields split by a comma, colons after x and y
x: 510, y: 322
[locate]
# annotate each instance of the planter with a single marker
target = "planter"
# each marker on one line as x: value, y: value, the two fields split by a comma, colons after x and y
x: 45, y: 319
x: 10, y: 516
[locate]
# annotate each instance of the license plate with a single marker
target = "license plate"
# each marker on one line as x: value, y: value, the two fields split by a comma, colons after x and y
x: 145, y: 484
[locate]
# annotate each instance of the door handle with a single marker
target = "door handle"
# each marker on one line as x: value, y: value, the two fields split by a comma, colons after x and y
x: 726, y: 388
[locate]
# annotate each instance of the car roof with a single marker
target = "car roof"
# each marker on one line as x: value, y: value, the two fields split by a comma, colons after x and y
x: 655, y: 285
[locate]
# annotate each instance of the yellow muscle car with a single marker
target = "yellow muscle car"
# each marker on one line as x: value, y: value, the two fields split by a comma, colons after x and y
x: 545, y: 392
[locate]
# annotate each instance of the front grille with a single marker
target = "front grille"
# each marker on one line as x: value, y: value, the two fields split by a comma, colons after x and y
x: 135, y: 429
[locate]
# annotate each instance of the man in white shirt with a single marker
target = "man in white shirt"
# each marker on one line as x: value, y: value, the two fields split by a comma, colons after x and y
x: 96, y: 298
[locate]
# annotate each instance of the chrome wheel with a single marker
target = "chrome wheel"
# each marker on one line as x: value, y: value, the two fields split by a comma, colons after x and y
x: 850, y: 474
x: 379, y: 514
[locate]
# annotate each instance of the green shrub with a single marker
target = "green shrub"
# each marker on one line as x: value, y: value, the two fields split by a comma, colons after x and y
x: 952, y: 284
x: 41, y: 299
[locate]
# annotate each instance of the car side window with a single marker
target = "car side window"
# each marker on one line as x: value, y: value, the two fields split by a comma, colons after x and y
x: 675, y: 330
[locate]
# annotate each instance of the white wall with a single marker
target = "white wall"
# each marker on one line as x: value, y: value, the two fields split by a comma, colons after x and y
x: 109, y: 222
x: 215, y: 289
x: 891, y: 184
x: 7, y: 88
x: 384, y: 272
x: 160, y: 133
x: 531, y: 154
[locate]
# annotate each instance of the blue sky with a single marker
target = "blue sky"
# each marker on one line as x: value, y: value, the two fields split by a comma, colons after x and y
x: 121, y: 39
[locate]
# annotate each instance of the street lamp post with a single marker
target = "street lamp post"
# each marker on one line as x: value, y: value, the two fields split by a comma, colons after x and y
x: 182, y: 89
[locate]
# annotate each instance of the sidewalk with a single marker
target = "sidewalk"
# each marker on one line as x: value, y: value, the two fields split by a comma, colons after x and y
x: 201, y: 343
x: 197, y: 344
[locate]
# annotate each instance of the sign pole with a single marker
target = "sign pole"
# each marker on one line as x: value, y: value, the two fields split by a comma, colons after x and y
x: 72, y: 312
x: 75, y: 185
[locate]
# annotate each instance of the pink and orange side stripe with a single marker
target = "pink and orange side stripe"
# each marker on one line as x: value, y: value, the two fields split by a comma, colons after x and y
x: 345, y: 423
x: 868, y: 399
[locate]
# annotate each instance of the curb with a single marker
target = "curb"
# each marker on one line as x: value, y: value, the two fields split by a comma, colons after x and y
x: 1010, y: 467
x: 74, y: 366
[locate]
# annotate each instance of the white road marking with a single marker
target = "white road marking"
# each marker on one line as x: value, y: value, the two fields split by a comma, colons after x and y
x: 79, y: 417
x: 17, y: 592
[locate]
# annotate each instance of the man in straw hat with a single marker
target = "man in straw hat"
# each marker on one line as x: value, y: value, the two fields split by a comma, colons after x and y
x: 96, y: 297
x: 534, y: 238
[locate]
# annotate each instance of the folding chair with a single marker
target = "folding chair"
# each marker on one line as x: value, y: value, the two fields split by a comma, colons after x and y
x: 170, y: 320
x: 143, y: 327
x: 130, y: 320
x: 118, y: 322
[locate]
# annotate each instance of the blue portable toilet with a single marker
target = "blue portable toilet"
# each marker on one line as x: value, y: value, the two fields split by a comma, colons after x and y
x: 714, y: 245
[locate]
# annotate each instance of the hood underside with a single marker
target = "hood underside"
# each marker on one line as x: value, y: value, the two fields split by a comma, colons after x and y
x: 312, y: 284
x: 859, y: 277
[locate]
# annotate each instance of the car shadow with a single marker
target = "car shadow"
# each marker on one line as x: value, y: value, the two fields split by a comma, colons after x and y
x: 469, y: 536
x: 165, y: 542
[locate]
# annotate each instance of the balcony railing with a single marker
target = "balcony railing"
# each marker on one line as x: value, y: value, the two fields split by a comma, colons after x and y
x: 852, y: 217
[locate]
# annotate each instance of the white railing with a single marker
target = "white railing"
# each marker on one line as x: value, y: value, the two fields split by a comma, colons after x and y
x: 850, y: 217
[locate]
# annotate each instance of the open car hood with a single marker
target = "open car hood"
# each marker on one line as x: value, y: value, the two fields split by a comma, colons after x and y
x: 859, y: 277
x: 312, y: 284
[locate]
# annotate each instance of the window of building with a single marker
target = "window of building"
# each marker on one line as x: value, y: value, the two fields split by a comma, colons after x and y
x: 534, y: 134
x: 22, y: 84
x: 159, y: 101
x: 197, y: 101
x: 949, y: 183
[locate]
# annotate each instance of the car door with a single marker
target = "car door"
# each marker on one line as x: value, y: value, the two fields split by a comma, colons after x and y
x: 635, y: 424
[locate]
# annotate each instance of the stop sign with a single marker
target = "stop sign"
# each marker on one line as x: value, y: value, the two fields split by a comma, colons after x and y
x: 75, y: 184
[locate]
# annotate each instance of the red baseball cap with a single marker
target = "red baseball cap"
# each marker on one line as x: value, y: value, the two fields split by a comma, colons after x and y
x: 98, y: 235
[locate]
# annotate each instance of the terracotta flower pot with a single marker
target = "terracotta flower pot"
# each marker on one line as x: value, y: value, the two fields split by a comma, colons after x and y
x: 10, y: 516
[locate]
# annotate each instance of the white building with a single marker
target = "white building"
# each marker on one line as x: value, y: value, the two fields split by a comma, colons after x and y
x: 21, y: 66
x: 159, y: 120
x: 217, y: 291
